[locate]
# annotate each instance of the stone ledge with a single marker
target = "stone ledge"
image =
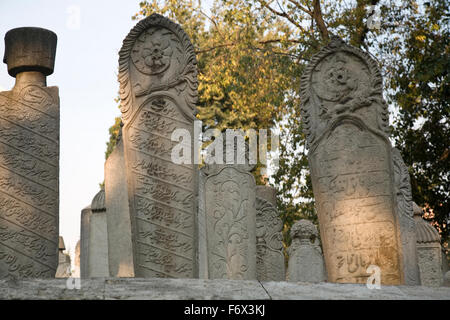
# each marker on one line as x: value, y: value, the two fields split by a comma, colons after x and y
x: 197, y: 289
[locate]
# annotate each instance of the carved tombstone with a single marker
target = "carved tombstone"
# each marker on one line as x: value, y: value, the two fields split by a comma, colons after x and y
x: 406, y: 220
x: 64, y: 265
x: 86, y: 214
x: 76, y: 272
x: 306, y: 262
x: 346, y: 124
x: 98, y: 261
x: 29, y: 158
x: 228, y: 215
x: 428, y: 251
x: 270, y: 264
x: 158, y: 91
x: 120, y: 249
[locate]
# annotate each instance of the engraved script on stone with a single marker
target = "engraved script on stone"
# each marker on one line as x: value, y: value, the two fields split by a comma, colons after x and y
x: 158, y: 90
x: 350, y: 157
x: 29, y: 156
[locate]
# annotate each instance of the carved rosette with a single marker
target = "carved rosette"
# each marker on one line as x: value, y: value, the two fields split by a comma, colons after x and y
x: 29, y: 183
x: 346, y: 123
x: 270, y: 264
x: 341, y: 80
x: 157, y: 55
x: 158, y: 90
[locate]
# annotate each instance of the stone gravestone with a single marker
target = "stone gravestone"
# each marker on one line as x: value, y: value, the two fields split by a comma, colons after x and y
x: 406, y: 220
x: 120, y: 249
x: 64, y: 265
x: 86, y: 214
x: 98, y: 261
x: 228, y: 215
x: 306, y: 262
x: 428, y: 251
x: 29, y: 158
x: 158, y: 91
x: 76, y: 272
x: 270, y: 265
x: 346, y: 124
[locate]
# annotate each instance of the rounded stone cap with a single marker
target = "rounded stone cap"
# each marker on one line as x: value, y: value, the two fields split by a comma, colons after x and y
x: 30, y: 49
x: 304, y: 229
x: 98, y: 202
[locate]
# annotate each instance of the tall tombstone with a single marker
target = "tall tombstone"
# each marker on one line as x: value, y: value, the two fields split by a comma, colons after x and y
x: 158, y: 91
x: 29, y: 158
x: 98, y: 261
x: 86, y: 214
x: 120, y: 248
x: 406, y: 220
x: 346, y: 124
x: 227, y: 216
x: 270, y: 261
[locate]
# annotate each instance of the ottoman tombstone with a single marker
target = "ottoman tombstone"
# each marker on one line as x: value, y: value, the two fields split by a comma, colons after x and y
x: 29, y: 158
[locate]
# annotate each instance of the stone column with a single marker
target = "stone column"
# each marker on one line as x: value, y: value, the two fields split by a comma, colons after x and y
x: 346, y: 124
x: 270, y: 262
x: 158, y: 91
x: 29, y: 158
x: 120, y: 248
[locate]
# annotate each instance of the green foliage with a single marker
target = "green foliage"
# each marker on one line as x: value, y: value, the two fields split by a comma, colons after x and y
x: 113, y: 134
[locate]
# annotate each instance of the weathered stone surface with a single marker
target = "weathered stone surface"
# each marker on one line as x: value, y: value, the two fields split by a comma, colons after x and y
x: 158, y: 90
x: 267, y: 193
x: 76, y: 272
x: 55, y: 289
x: 429, y: 251
x: 64, y: 264
x: 30, y: 49
x: 196, y: 289
x: 346, y: 124
x: 98, y: 238
x: 270, y: 262
x: 120, y: 248
x: 185, y: 289
x: 86, y: 214
x: 406, y: 220
x: 306, y: 262
x: 229, y: 221
x: 447, y: 279
x: 333, y: 291
x: 29, y: 158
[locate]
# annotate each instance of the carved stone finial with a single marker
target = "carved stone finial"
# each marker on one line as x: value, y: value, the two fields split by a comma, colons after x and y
x: 30, y: 49
x: 306, y: 261
x: 304, y: 230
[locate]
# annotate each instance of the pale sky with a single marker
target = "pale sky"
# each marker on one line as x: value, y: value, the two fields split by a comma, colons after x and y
x: 86, y: 74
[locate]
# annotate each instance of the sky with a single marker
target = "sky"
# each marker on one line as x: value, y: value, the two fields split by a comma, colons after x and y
x: 90, y: 34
